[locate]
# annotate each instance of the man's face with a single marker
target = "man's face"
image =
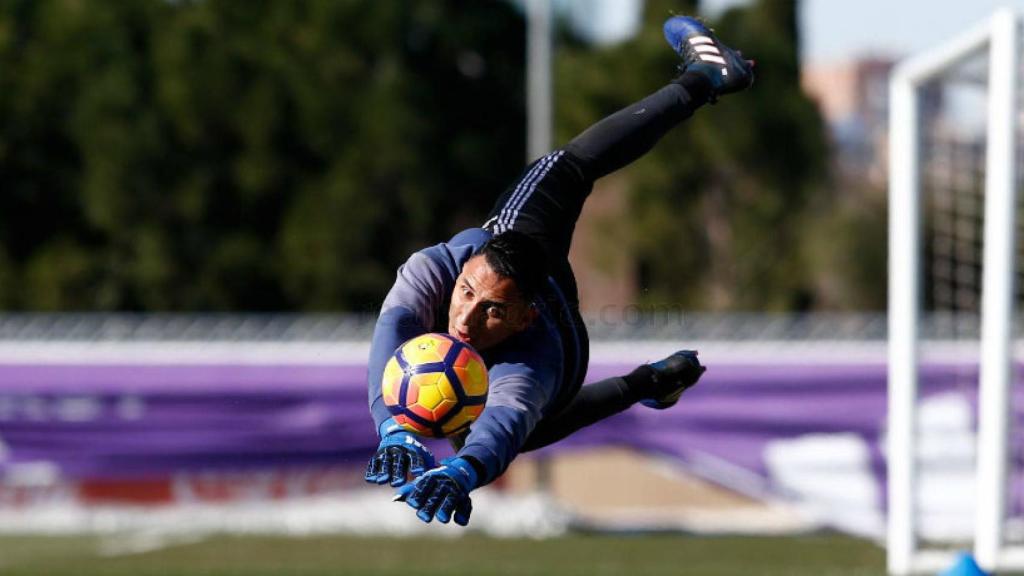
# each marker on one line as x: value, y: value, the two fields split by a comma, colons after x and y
x: 486, y: 308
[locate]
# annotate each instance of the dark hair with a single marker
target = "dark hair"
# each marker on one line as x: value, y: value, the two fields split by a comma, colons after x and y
x: 519, y: 257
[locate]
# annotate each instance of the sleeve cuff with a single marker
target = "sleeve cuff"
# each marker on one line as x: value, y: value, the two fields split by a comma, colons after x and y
x: 483, y: 461
x: 380, y: 414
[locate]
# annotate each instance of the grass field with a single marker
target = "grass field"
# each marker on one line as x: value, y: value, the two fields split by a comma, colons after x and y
x: 477, y: 555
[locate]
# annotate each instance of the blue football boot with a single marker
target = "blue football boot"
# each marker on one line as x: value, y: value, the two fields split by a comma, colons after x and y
x: 705, y: 54
x: 671, y: 377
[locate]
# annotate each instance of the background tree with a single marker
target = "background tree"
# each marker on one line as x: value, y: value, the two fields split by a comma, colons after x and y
x: 245, y: 155
x: 262, y: 155
x: 717, y: 208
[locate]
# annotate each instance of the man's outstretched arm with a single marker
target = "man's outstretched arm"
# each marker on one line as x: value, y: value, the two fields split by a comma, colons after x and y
x: 522, y: 384
x: 408, y: 311
x: 513, y: 409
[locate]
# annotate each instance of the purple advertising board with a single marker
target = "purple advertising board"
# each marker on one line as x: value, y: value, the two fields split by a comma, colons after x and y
x: 123, y: 420
x: 808, y: 429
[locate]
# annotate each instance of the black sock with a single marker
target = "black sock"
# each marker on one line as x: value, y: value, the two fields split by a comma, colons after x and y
x: 641, y: 381
x: 697, y: 85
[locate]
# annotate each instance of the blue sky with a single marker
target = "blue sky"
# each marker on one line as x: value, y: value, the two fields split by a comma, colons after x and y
x: 832, y: 29
x: 843, y: 29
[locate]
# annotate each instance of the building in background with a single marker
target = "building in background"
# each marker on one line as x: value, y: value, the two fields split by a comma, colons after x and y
x: 854, y: 100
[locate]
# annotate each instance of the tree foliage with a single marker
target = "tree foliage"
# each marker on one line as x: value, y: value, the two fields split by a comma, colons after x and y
x: 717, y: 208
x: 201, y: 155
x: 267, y: 155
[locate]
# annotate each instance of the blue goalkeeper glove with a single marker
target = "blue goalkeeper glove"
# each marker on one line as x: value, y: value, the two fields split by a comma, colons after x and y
x: 398, y: 455
x: 442, y: 492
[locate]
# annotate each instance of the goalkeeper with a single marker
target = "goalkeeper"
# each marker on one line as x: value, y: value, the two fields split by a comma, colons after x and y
x: 507, y: 289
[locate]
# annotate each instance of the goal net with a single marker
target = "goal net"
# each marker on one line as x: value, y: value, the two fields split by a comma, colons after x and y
x: 954, y: 237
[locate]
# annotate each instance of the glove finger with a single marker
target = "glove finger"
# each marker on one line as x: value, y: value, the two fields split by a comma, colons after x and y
x: 399, y: 467
x: 416, y: 464
x: 383, y: 467
x: 424, y: 487
x: 432, y: 503
x: 376, y: 467
x: 462, y: 511
x: 371, y: 469
x: 447, y: 507
x: 403, y: 493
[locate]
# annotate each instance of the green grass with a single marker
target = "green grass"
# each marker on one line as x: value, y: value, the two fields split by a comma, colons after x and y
x: 473, y: 555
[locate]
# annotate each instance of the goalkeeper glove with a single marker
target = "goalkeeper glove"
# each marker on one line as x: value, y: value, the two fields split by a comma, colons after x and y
x: 398, y: 455
x: 442, y: 492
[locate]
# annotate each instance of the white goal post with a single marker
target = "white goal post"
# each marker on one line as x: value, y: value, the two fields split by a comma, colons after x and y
x: 1000, y: 36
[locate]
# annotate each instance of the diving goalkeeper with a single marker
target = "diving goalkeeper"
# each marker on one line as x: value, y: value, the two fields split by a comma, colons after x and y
x: 507, y: 290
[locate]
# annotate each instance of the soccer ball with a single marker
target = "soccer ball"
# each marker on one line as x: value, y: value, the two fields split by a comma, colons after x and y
x: 435, y: 385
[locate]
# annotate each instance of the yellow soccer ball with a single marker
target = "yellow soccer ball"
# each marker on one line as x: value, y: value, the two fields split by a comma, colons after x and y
x: 435, y: 385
